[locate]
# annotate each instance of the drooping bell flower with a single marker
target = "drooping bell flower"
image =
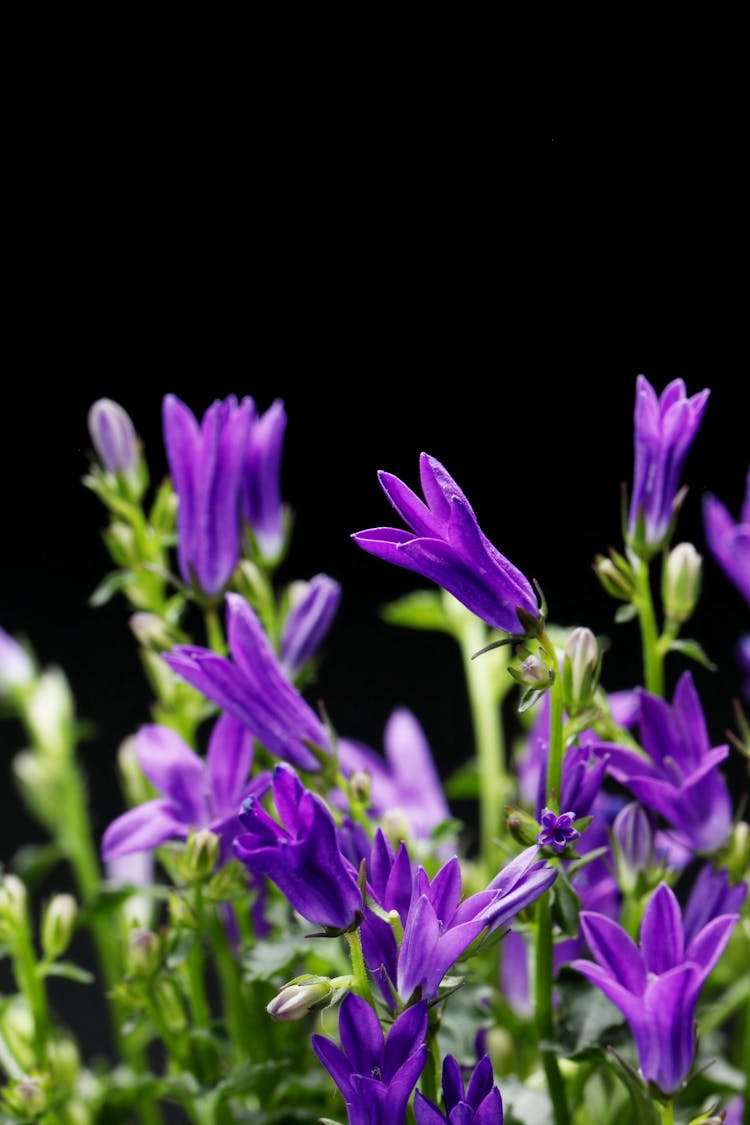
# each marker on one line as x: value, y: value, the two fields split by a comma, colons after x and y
x: 655, y: 984
x: 300, y: 853
x: 195, y: 793
x: 251, y: 685
x: 665, y: 427
x: 729, y: 539
x: 479, y: 1103
x: 445, y: 544
x: 375, y: 1073
x: 206, y: 462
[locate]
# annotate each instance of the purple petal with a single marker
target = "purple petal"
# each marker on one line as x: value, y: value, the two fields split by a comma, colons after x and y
x: 336, y: 1063
x: 628, y: 1003
x: 405, y: 1037
x: 415, y: 514
x: 490, y: 1111
x: 418, y: 944
x: 414, y: 773
x: 361, y: 1035
x: 710, y: 896
x: 262, y: 480
x: 176, y: 771
x: 142, y: 828
x: 228, y: 759
x: 615, y: 951
x: 481, y: 1082
x: 445, y: 890
x: 402, y: 1084
x: 453, y: 1082
x: 426, y: 1112
x: 666, y: 1038
x: 707, y: 947
x: 662, y: 937
x: 308, y: 622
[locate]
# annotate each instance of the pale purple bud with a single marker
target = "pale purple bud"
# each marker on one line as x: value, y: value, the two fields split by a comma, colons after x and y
x: 581, y: 667
x: 633, y: 839
x: 16, y: 666
x: 114, y: 436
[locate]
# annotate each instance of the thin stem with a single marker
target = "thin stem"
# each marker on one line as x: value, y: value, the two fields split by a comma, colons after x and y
x: 653, y: 657
x: 544, y: 1015
x: 196, y: 968
x: 32, y: 986
x: 744, y: 1060
x: 484, y: 701
x: 666, y: 1112
x: 214, y: 631
x: 239, y: 1022
x: 361, y: 983
x: 555, y: 757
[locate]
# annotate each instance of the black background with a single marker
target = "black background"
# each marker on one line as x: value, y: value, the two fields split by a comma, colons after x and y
x: 414, y: 272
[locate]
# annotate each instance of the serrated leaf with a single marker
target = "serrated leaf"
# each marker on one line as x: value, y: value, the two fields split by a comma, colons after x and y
x: 422, y: 609
x: 463, y: 783
x: 110, y: 585
x: 693, y: 651
x: 69, y: 971
x: 625, y: 613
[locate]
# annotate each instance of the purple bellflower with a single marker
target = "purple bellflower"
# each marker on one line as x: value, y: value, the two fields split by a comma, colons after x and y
x: 206, y: 462
x: 557, y: 831
x: 679, y: 779
x: 478, y: 1104
x: 656, y: 984
x: 311, y: 613
x: 665, y: 427
x: 301, y: 855
x: 711, y: 896
x: 253, y: 687
x: 196, y: 793
x: 729, y: 540
x: 261, y: 483
x: 375, y: 1074
x: 446, y: 545
x: 406, y: 780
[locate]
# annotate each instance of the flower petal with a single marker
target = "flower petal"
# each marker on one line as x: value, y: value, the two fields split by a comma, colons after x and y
x: 228, y: 759
x: 662, y: 937
x: 615, y: 951
x: 142, y: 828
x: 175, y: 770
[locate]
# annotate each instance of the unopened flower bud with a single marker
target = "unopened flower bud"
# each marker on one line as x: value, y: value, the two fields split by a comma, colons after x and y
x: 228, y: 883
x: 633, y: 844
x: 58, y: 924
x: 614, y: 578
x: 738, y: 858
x: 395, y: 824
x: 303, y: 995
x: 681, y: 582
x: 50, y: 714
x: 17, y: 1029
x: 26, y: 1097
x: 12, y: 905
x: 313, y: 606
x: 16, y: 666
x: 581, y: 667
x: 151, y: 631
x: 532, y: 672
x: 181, y: 913
x: 114, y: 436
x: 145, y: 953
x: 360, y: 786
x: 132, y: 776
x: 170, y: 1005
x: 201, y: 855
x: 522, y: 827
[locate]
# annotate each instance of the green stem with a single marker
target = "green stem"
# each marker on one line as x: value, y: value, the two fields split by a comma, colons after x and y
x: 666, y: 1112
x: 484, y: 701
x: 653, y: 657
x: 555, y: 757
x: 196, y: 968
x: 544, y: 1014
x: 361, y: 981
x: 214, y: 631
x: 240, y: 1025
x: 32, y: 986
x: 744, y: 1060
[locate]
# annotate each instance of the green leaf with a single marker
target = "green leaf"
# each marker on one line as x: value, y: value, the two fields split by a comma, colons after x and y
x: 625, y: 613
x: 522, y: 1105
x: 67, y: 970
x: 646, y: 1111
x: 463, y: 783
x: 110, y: 585
x: 566, y: 905
x: 268, y: 961
x: 421, y: 610
x: 35, y: 861
x: 243, y: 1078
x: 693, y: 651
x: 587, y: 1019
x: 105, y: 901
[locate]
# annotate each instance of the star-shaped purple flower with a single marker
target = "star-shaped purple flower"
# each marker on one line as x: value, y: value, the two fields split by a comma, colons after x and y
x: 446, y: 545
x: 479, y: 1103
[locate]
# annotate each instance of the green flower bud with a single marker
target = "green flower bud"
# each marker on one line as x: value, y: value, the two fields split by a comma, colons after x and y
x: 50, y: 714
x: 181, y: 914
x: 522, y: 827
x: 134, y: 782
x: 26, y: 1097
x: 615, y: 576
x: 532, y: 672
x: 13, y: 902
x: 228, y: 883
x: 145, y: 953
x: 395, y: 824
x: 64, y: 1061
x: 17, y: 1029
x: 201, y: 855
x: 16, y: 666
x: 681, y: 582
x: 58, y: 923
x: 303, y: 995
x: 737, y: 859
x: 581, y: 667
x: 120, y: 540
x: 151, y: 631
x: 169, y: 1002
x: 360, y: 786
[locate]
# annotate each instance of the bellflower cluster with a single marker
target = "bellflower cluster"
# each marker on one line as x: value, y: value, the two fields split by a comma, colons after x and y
x: 291, y: 925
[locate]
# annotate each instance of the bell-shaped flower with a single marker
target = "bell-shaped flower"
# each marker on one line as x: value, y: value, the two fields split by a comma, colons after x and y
x: 665, y: 427
x: 261, y: 483
x: 656, y: 984
x: 445, y: 544
x: 114, y: 437
x: 300, y: 853
x: 479, y: 1103
x: 195, y: 793
x: 311, y: 613
x: 678, y: 776
x: 406, y: 780
x: 375, y: 1073
x: 252, y: 686
x: 729, y: 539
x: 206, y: 464
x: 711, y: 896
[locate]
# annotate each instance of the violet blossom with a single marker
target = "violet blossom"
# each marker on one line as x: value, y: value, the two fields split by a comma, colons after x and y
x: 261, y: 482
x: 300, y: 853
x: 678, y: 776
x: 195, y: 793
x: 656, y: 984
x: 311, y: 613
x: 479, y: 1103
x: 375, y: 1074
x: 206, y: 463
x: 252, y: 686
x: 665, y: 427
x: 557, y: 831
x: 446, y: 545
x: 729, y: 539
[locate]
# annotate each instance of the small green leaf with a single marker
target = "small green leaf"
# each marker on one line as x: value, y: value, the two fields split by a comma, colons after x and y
x: 625, y: 613
x: 566, y: 905
x: 587, y: 1019
x: 110, y: 585
x: 463, y: 783
x: 67, y: 970
x: 693, y: 651
x: 421, y: 610
x: 268, y: 961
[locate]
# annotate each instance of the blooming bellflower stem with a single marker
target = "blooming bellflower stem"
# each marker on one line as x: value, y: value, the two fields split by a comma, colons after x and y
x: 555, y: 759
x: 653, y: 656
x: 430, y: 1080
x: 196, y: 967
x: 486, y: 689
x: 361, y: 983
x: 666, y: 1112
x: 544, y: 1018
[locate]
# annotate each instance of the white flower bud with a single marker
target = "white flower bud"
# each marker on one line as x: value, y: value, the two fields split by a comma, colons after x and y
x: 681, y: 582
x: 58, y: 923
